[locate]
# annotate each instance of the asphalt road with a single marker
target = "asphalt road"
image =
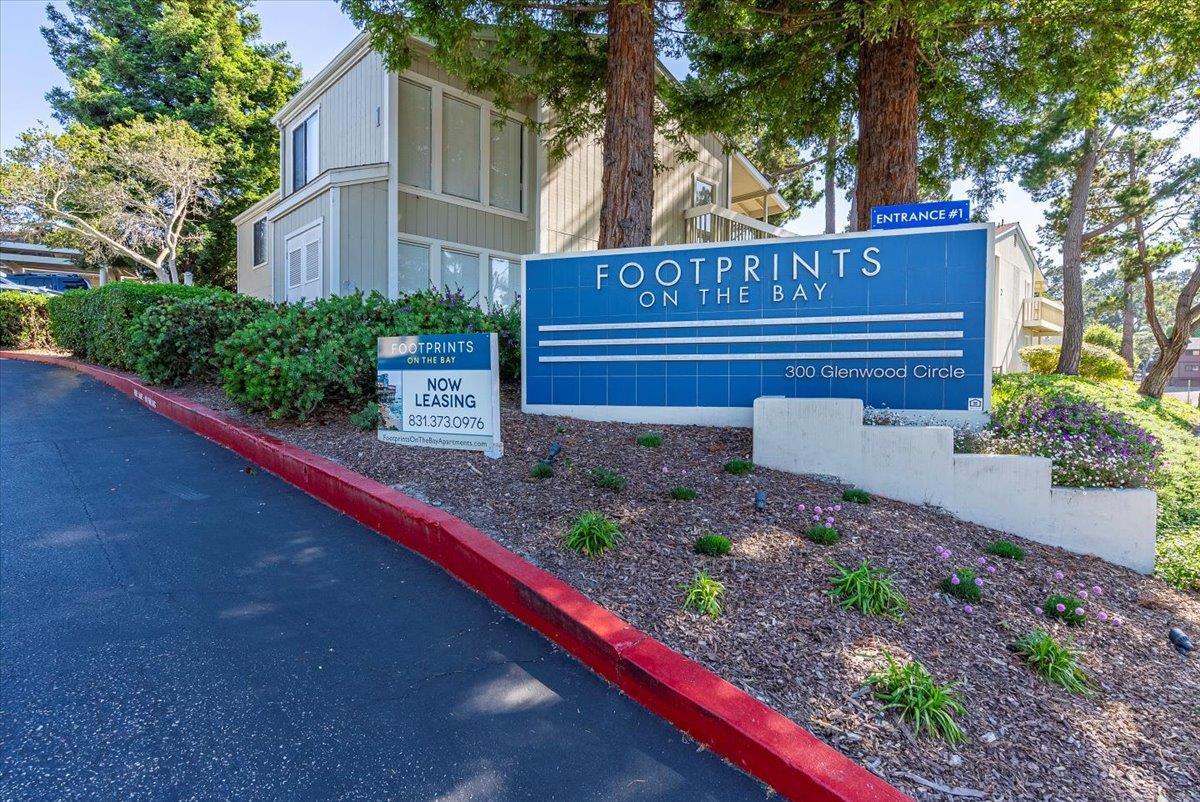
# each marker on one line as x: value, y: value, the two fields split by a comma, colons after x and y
x: 172, y: 627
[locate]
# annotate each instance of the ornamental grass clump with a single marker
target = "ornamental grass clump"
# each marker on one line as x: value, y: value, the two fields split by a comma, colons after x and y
x: 857, y: 495
x: 712, y: 545
x: 650, y: 440
x: 1053, y: 661
x: 739, y: 467
x: 964, y: 584
x: 1005, y: 549
x: 868, y: 590
x: 683, y: 493
x: 1068, y: 609
x: 592, y: 534
x: 825, y: 535
x: 366, y: 418
x: 910, y: 691
x: 541, y: 470
x: 703, y: 594
x: 609, y: 480
x: 1088, y: 445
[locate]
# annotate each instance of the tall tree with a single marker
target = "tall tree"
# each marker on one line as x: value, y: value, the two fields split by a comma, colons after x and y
x: 133, y: 190
x: 199, y: 61
x: 591, y: 61
x: 939, y: 89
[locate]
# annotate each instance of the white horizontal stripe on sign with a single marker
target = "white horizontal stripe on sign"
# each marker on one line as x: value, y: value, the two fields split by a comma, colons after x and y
x: 756, y: 321
x: 765, y: 357
x: 763, y: 338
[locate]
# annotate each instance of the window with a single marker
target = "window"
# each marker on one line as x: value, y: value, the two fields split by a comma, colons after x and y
x: 507, y: 178
x: 305, y: 151
x: 506, y: 280
x: 415, y: 135
x: 260, y: 242
x: 460, y: 271
x: 703, y: 192
x: 460, y: 148
x: 414, y: 267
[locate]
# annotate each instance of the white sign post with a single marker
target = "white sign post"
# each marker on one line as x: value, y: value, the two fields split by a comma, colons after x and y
x: 440, y: 391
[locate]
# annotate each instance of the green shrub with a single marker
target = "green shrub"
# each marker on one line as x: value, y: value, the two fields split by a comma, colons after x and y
x: 1095, y: 362
x: 962, y: 584
x: 825, y: 535
x: 739, y: 467
x: 712, y: 545
x: 24, y: 320
x: 1005, y: 549
x: 1103, y: 336
x: 367, y: 418
x: 1068, y: 614
x: 910, y: 691
x: 1053, y: 661
x: 592, y: 534
x: 1171, y: 422
x: 650, y: 440
x: 541, y: 470
x: 173, y: 339
x: 97, y: 324
x: 703, y: 594
x: 609, y: 480
x: 868, y: 590
x: 683, y: 493
x: 857, y: 496
x: 295, y: 358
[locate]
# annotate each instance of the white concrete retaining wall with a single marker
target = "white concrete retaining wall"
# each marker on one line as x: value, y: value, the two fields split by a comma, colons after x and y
x: 917, y: 464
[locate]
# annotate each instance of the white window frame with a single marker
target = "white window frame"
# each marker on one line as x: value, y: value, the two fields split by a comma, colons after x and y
x: 312, y: 144
x: 484, y: 255
x: 699, y: 179
x: 486, y: 109
x: 266, y: 242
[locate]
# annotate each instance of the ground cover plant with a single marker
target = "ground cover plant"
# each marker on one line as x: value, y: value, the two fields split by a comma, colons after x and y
x: 541, y: 470
x: 825, y: 535
x: 1176, y: 474
x: 592, y: 534
x: 608, y: 479
x: 681, y: 493
x: 367, y: 418
x: 650, y: 440
x: 24, y: 320
x: 712, y: 545
x: 1068, y: 609
x: 857, y: 496
x: 962, y: 583
x: 703, y: 594
x: 1006, y: 549
x: 868, y: 590
x: 739, y: 467
x: 1053, y: 661
x: 908, y: 690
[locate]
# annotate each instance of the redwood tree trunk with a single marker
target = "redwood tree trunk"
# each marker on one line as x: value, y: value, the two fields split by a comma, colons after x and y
x: 887, y: 123
x: 626, y: 211
x: 1072, y: 254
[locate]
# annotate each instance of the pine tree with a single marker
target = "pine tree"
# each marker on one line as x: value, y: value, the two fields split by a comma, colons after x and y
x: 199, y: 61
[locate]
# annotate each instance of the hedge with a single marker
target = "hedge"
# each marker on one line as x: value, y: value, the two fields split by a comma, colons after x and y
x: 296, y: 358
x: 1095, y: 361
x: 24, y: 322
x: 174, y: 339
x: 96, y: 324
x: 1103, y: 336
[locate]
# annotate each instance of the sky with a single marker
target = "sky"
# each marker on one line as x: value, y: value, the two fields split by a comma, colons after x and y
x: 315, y: 31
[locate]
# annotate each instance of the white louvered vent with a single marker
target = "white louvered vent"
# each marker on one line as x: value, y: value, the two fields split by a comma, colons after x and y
x: 312, y: 260
x: 293, y: 267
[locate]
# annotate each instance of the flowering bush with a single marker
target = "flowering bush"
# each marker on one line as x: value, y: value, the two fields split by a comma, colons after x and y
x: 1089, y: 446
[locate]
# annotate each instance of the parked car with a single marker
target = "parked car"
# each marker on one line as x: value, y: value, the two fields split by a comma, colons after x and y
x: 59, y: 282
x: 7, y: 285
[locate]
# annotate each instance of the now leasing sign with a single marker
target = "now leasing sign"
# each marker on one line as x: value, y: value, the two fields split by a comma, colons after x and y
x: 695, y: 333
x: 440, y: 390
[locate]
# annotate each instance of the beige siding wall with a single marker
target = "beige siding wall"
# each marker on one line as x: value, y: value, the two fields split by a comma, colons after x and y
x: 362, y: 235
x: 297, y: 218
x: 1014, y: 283
x: 452, y: 222
x: 251, y: 280
x: 348, y: 134
x: 571, y: 193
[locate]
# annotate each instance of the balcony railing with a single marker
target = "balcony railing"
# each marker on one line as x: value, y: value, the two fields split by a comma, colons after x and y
x: 1042, y: 317
x: 711, y: 223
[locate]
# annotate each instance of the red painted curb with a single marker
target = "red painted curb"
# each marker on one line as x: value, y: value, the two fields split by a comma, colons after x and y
x: 728, y: 721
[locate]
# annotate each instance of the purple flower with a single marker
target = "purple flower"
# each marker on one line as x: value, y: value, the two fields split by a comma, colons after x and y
x: 817, y: 518
x: 982, y: 560
x: 1083, y: 594
x: 1116, y: 620
x: 801, y: 508
x: 991, y: 569
x: 1079, y: 611
x: 945, y: 555
x: 829, y: 520
x: 1062, y: 608
x: 954, y: 580
x: 817, y: 510
x: 1103, y: 616
x: 1097, y: 590
x: 978, y: 582
x: 968, y: 609
x: 1038, y: 611
x: 1058, y: 574
x: 837, y: 507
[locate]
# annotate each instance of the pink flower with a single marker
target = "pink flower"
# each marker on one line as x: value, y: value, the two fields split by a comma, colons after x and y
x: 978, y: 582
x: 801, y: 508
x: 1079, y: 611
x: 837, y: 507
x: 1097, y: 590
x: 1116, y: 620
x: 1062, y: 608
x: 1083, y: 594
x: 1038, y: 611
x: 982, y: 560
x: 829, y: 520
x: 945, y: 555
x: 991, y: 569
x: 968, y: 609
x: 1058, y: 574
x: 817, y: 510
x: 954, y: 580
x: 1103, y: 616
x: 665, y: 469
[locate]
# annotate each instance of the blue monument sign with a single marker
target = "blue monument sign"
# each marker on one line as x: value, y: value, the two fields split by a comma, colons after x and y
x: 695, y: 333
x: 920, y: 215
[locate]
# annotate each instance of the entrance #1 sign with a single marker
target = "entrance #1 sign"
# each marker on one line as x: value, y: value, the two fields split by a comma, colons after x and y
x: 695, y: 333
x: 920, y: 215
x: 441, y: 391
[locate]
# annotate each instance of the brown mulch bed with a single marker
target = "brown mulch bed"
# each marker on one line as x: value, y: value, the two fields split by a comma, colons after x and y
x: 785, y: 642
